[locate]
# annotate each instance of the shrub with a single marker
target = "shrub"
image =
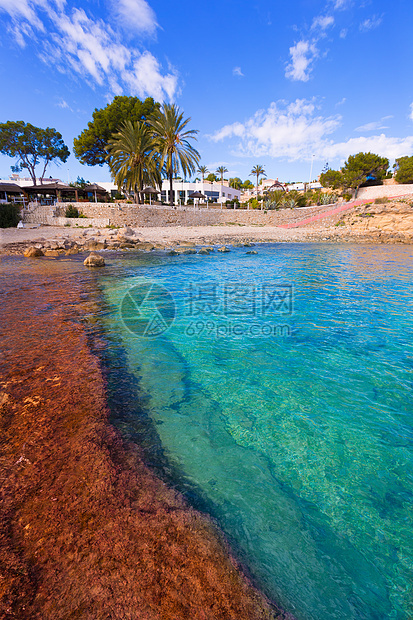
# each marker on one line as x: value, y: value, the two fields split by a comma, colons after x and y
x: 381, y: 201
x: 9, y: 215
x: 71, y: 211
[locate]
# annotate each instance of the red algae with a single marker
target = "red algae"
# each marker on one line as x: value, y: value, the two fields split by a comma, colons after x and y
x: 87, y: 529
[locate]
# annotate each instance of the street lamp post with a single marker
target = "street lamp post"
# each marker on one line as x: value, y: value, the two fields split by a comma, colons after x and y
x: 311, y: 171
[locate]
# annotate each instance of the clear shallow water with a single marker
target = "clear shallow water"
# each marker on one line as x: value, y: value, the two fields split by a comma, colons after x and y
x: 296, y: 426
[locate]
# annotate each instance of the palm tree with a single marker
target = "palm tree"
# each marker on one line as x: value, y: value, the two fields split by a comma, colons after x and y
x: 221, y: 170
x: 132, y: 158
x: 202, y: 171
x: 172, y: 140
x: 258, y: 171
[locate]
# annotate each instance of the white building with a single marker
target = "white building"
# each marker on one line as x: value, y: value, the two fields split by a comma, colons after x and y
x: 214, y: 192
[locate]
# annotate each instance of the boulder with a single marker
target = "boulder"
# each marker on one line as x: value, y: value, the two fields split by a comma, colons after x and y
x: 144, y: 245
x: 251, y: 252
x: 223, y: 249
x: 33, y: 252
x: 186, y: 251
x: 51, y: 253
x: 204, y: 251
x: 127, y: 235
x: 94, y: 260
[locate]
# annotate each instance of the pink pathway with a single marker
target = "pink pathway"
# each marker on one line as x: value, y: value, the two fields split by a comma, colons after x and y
x: 320, y: 216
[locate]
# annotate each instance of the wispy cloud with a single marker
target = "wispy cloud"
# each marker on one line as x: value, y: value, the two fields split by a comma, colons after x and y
x: 294, y: 131
x: 342, y: 4
x: 374, y: 125
x: 237, y: 71
x: 135, y: 15
x: 322, y: 22
x: 411, y: 112
x: 302, y: 55
x: 80, y: 44
x: 370, y: 23
x: 64, y: 105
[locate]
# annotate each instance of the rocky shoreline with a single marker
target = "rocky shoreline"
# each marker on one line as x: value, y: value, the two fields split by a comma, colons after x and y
x: 352, y: 228
x: 87, y: 529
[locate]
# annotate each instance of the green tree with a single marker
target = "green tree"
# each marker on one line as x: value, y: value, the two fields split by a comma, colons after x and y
x: 235, y: 182
x: 133, y: 159
x: 404, y: 169
x: 332, y: 178
x: 247, y: 184
x: 173, y: 142
x: 202, y: 171
x: 362, y: 165
x: 90, y: 145
x: 32, y: 146
x: 211, y: 177
x: 80, y: 183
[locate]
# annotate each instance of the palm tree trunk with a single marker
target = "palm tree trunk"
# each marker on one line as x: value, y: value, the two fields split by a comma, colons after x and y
x: 171, y: 194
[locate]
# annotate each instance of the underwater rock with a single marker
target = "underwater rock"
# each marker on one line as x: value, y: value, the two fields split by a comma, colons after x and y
x: 33, y: 252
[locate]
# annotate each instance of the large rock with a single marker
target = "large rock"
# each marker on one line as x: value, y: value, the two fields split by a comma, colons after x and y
x: 144, y: 245
x: 127, y: 235
x: 94, y: 260
x: 223, y: 249
x: 33, y: 252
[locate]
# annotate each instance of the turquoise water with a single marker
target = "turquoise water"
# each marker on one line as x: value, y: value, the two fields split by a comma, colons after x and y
x: 282, y: 397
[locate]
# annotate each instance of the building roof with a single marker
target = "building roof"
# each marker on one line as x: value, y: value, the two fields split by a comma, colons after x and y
x: 94, y: 187
x: 10, y: 187
x: 47, y: 187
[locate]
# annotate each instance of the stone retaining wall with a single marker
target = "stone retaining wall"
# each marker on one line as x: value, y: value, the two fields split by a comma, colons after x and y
x: 384, y: 191
x: 145, y: 216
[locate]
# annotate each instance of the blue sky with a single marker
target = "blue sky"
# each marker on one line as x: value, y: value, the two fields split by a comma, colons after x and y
x: 270, y: 83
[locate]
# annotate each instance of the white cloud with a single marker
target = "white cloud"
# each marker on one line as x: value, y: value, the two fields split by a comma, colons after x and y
x: 383, y: 145
x: 237, y: 71
x: 374, y: 125
x: 63, y: 104
x: 370, y: 23
x: 146, y: 78
x: 411, y: 112
x: 79, y: 44
x: 341, y: 102
x: 288, y: 130
x: 322, y: 22
x: 302, y: 55
x: 135, y: 15
x: 342, y: 4
x: 343, y: 33
x: 294, y: 131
